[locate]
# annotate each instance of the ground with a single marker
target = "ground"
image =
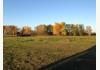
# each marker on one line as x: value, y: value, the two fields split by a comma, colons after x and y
x: 32, y: 53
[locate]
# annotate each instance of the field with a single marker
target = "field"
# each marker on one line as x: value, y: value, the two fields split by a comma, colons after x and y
x: 32, y: 53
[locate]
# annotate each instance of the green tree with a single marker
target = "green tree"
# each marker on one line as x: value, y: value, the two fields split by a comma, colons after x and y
x: 63, y: 28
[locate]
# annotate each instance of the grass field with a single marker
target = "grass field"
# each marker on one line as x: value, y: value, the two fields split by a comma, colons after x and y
x: 31, y: 53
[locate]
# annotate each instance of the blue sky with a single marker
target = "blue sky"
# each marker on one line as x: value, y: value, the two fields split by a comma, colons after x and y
x: 35, y: 12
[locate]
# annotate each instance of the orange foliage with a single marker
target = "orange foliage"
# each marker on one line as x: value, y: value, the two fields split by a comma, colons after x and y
x: 57, y: 29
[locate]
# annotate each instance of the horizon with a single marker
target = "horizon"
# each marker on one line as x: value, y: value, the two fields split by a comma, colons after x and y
x: 36, y: 12
x: 33, y: 28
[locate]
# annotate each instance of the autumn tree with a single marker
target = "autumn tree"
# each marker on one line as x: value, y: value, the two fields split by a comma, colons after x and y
x: 57, y: 29
x: 9, y: 30
x: 41, y: 30
x: 13, y: 29
x: 5, y: 30
x: 26, y: 31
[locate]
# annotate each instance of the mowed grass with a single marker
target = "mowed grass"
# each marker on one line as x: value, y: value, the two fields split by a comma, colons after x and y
x: 31, y: 53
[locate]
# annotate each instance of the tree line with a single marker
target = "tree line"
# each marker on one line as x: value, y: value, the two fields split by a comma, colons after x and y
x: 58, y: 29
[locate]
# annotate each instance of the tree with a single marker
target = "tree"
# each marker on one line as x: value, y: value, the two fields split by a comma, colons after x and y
x: 14, y: 30
x: 9, y: 30
x: 57, y: 29
x: 89, y: 30
x: 63, y: 28
x: 41, y: 30
x: 50, y: 29
x: 81, y: 29
x: 74, y: 29
x: 26, y: 31
x: 64, y: 32
x: 69, y: 29
x: 5, y: 30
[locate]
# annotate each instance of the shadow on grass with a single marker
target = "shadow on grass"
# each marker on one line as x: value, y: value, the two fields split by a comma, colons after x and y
x: 85, y: 60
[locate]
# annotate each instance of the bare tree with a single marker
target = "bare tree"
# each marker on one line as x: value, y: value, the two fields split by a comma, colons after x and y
x: 89, y: 30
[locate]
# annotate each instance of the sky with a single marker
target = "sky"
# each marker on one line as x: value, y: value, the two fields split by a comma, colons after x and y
x: 36, y: 12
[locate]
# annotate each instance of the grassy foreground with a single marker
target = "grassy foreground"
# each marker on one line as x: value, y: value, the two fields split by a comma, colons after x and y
x: 31, y: 53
